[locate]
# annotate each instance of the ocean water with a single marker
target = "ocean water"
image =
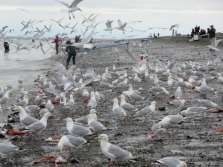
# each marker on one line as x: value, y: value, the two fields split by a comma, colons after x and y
x: 24, y: 64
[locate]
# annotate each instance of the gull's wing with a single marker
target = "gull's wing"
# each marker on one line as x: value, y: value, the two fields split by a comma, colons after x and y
x: 217, y: 42
x: 63, y: 3
x: 75, y: 3
x: 97, y: 126
x: 119, y: 22
x: 37, y: 126
x: 170, y: 161
x: 76, y: 141
x: 119, y: 153
x: 173, y: 26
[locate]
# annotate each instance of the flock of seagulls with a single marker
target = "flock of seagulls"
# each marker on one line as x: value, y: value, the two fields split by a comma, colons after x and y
x: 63, y: 88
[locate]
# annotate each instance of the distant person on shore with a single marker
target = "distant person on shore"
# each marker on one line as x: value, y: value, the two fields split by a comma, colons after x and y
x: 6, y: 47
x: 57, y: 42
x: 77, y: 38
x: 192, y: 33
x: 71, y: 52
x: 212, y: 34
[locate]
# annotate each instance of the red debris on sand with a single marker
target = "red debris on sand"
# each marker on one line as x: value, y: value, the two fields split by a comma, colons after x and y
x: 151, y: 136
x: 216, y: 110
x: 56, y: 102
x: 48, y: 159
x: 86, y: 100
x: 219, y: 130
x: 17, y: 133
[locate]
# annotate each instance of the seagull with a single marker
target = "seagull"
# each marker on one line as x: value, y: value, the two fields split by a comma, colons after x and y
x: 125, y: 104
x: 92, y: 102
x: 109, y: 25
x: 49, y: 105
x: 70, y: 141
x: 77, y: 129
x: 7, y: 148
x: 173, y: 27
x: 25, y: 118
x: 111, y: 151
x: 172, y: 162
x: 178, y: 94
x: 26, y: 25
x: 48, y: 28
x: 214, y: 45
x: 93, y: 123
x: 132, y: 93
x: 204, y: 88
x: 121, y: 26
x: 207, y: 103
x: 3, y: 29
x: 148, y: 109
x: 39, y: 126
x: 193, y: 110
x: 118, y: 110
x: 73, y: 28
x: 71, y: 7
x: 90, y: 18
x: 171, y: 119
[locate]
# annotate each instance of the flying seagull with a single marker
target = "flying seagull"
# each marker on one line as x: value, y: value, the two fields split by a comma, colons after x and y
x: 71, y: 7
x: 121, y: 26
x: 108, y: 25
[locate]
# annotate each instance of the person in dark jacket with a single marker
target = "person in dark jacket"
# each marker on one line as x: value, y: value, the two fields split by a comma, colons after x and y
x: 212, y: 32
x: 71, y: 52
x: 6, y: 47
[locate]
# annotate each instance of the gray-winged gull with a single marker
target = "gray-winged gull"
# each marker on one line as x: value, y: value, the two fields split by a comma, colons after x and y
x: 39, y: 126
x: 70, y: 141
x: 77, y: 129
x: 111, y: 151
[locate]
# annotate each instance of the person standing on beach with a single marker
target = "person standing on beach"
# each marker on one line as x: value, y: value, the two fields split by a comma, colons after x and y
x: 71, y: 52
x: 6, y: 47
x: 57, y: 42
x: 212, y: 34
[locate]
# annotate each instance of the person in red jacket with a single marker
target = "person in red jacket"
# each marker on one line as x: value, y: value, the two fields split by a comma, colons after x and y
x: 57, y: 42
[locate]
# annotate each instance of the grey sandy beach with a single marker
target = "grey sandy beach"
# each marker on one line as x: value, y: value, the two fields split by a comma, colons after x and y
x: 196, y: 139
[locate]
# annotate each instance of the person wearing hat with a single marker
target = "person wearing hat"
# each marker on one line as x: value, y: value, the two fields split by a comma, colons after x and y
x: 71, y: 52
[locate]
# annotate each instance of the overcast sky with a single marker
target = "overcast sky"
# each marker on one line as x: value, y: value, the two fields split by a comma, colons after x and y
x: 146, y: 4
x: 187, y: 13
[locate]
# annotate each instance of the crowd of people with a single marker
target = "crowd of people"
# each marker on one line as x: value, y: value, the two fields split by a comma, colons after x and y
x: 198, y: 31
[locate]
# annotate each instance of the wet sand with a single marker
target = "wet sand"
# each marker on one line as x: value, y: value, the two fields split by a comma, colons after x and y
x: 195, y: 139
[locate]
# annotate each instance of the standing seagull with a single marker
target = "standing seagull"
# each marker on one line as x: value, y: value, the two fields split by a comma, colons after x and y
x: 111, y: 151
